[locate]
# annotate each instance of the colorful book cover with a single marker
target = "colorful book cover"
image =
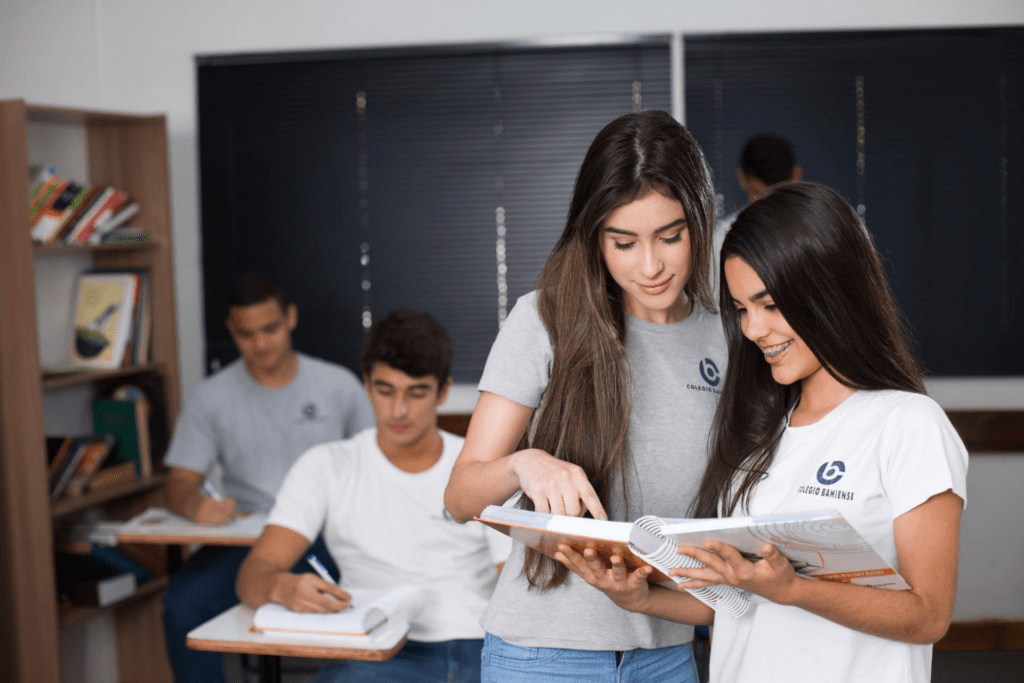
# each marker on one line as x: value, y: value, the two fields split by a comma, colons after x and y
x: 102, y: 318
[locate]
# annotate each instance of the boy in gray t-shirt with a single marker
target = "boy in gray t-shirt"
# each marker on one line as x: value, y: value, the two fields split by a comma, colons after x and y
x: 253, y: 419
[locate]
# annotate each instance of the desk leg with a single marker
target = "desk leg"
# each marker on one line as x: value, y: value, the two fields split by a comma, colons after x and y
x: 173, y: 558
x: 270, y: 669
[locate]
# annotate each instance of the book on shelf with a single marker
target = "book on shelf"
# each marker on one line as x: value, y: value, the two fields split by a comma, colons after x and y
x: 126, y: 234
x: 107, y: 202
x: 112, y: 221
x: 371, y: 613
x: 47, y: 191
x: 96, y: 451
x: 51, y: 218
x: 99, y: 577
x: 820, y: 545
x: 87, y: 201
x: 38, y: 175
x: 58, y: 450
x: 137, y: 350
x: 128, y: 421
x: 80, y: 451
x: 112, y: 475
x: 102, y: 316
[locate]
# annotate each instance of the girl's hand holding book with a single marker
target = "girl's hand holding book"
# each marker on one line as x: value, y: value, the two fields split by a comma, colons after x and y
x: 771, y: 577
x: 628, y: 590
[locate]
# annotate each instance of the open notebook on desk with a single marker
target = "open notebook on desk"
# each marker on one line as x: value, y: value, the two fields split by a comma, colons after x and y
x: 159, y: 525
x: 232, y: 631
x: 376, y: 619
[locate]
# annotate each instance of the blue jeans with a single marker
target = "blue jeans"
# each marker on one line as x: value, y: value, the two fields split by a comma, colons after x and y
x: 453, y: 661
x: 504, y: 662
x: 201, y: 589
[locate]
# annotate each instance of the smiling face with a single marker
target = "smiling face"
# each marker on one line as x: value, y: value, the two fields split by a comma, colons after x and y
x: 405, y: 407
x: 790, y: 358
x: 646, y: 247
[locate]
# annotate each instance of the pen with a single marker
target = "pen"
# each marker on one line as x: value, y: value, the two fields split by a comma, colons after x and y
x: 320, y: 569
x: 211, y: 491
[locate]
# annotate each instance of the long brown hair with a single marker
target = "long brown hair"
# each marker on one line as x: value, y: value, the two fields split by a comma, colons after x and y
x: 820, y: 265
x: 584, y: 417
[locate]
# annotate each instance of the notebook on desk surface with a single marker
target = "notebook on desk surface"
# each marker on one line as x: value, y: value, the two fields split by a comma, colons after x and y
x: 157, y: 524
x: 374, y: 617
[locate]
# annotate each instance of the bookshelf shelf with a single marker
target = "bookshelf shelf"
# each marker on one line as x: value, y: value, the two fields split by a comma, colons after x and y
x: 93, y: 248
x: 67, y: 506
x: 70, y: 379
x: 73, y: 614
x: 129, y: 152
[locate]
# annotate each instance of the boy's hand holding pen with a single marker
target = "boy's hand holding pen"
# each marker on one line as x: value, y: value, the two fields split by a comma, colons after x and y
x: 340, y: 599
x: 213, y: 508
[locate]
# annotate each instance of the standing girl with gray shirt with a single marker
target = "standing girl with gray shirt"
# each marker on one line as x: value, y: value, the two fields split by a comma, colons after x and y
x: 597, y: 398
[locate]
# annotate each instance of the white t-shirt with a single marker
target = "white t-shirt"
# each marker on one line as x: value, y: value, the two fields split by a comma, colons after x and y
x: 876, y: 456
x: 384, y: 527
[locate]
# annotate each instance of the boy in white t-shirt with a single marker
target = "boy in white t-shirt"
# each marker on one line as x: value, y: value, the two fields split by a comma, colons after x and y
x: 378, y: 500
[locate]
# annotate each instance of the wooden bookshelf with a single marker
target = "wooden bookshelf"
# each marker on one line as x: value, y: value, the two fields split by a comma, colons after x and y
x: 129, y: 152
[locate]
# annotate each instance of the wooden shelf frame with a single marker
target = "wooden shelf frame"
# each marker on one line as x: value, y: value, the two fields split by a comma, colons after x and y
x: 127, y: 151
x: 58, y: 379
x: 72, y: 615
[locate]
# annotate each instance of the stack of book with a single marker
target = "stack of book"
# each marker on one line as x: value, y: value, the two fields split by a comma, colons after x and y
x: 111, y: 320
x: 79, y: 463
x: 68, y: 212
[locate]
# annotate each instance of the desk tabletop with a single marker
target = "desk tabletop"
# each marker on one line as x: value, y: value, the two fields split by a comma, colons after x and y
x: 158, y: 525
x: 231, y: 631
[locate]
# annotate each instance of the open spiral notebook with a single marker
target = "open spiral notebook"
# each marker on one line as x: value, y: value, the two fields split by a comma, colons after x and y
x: 819, y: 544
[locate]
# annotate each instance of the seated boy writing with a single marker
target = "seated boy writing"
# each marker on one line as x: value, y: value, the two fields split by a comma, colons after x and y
x: 378, y: 500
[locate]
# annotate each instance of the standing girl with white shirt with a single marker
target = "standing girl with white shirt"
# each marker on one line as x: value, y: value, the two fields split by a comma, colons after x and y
x: 822, y: 407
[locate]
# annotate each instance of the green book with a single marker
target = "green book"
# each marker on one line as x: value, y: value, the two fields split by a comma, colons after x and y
x: 121, y: 418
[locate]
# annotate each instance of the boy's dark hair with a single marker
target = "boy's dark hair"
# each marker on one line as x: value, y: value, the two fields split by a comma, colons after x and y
x: 768, y: 158
x: 255, y: 288
x: 410, y: 341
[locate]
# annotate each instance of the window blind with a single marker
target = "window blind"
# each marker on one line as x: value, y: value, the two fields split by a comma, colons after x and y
x: 922, y: 132
x: 369, y: 181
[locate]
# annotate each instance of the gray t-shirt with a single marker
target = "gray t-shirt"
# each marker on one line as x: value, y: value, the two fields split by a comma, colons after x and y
x: 256, y: 433
x: 676, y: 372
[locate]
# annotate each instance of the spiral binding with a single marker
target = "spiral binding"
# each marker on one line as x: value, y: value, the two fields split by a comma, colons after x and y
x: 725, y: 599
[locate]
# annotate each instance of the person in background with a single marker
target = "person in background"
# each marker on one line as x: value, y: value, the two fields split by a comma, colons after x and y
x: 251, y: 420
x: 611, y: 370
x: 823, y: 407
x: 767, y: 160
x: 377, y: 498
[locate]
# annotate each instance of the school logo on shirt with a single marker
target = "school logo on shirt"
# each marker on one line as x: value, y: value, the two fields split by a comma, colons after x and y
x: 309, y: 411
x: 831, y: 472
x: 709, y: 371
x: 828, y: 474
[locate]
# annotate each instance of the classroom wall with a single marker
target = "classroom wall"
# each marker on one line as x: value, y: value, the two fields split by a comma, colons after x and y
x: 137, y: 55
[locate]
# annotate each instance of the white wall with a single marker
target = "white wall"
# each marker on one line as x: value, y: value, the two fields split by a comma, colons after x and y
x: 137, y: 55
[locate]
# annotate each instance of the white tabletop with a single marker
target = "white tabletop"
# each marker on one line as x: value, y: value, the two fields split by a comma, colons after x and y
x: 158, y: 525
x: 231, y: 631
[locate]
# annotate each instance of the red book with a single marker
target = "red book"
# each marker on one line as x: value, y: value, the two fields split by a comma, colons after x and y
x: 108, y: 202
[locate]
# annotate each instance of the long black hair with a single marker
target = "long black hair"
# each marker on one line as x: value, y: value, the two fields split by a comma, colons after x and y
x: 584, y: 418
x: 820, y: 266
